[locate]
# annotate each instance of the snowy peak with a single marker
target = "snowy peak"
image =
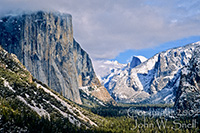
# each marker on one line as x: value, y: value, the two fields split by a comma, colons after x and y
x: 142, y: 58
x: 137, y: 60
x: 103, y: 68
x: 152, y: 81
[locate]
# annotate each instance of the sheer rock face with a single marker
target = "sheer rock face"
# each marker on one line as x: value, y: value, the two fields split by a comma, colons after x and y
x: 137, y: 60
x: 44, y: 43
x: 188, y: 93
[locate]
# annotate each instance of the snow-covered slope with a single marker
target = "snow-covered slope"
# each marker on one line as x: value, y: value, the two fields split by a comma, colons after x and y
x: 17, y: 83
x: 153, y: 81
x: 188, y: 93
x: 108, y: 69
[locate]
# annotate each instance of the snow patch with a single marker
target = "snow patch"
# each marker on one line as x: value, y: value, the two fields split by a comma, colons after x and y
x: 6, y: 84
x: 167, y: 97
x: 142, y: 58
x: 70, y: 117
x: 69, y: 107
x: 39, y: 111
x: 27, y: 96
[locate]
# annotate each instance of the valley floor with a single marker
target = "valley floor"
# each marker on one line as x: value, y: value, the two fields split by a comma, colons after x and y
x: 115, y: 119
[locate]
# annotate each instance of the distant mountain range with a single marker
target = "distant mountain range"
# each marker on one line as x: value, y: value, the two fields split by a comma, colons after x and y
x: 152, y: 81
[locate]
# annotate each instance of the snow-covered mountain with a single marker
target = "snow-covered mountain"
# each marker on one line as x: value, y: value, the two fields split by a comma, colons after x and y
x: 153, y: 81
x: 188, y: 93
x: 107, y: 69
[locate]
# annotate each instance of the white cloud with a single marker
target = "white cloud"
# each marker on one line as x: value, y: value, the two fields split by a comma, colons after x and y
x: 105, y: 28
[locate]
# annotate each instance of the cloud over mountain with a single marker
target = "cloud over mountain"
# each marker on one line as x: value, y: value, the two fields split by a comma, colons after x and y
x: 106, y: 28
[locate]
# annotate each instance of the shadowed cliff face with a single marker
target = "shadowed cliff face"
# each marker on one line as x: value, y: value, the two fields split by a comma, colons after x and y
x: 188, y: 93
x: 44, y: 43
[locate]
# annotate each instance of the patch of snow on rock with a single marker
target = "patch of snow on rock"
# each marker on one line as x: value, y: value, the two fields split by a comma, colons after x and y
x: 40, y: 111
x: 6, y: 84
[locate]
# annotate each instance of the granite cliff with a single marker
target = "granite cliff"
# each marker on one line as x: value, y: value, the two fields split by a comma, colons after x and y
x: 137, y: 60
x: 44, y: 43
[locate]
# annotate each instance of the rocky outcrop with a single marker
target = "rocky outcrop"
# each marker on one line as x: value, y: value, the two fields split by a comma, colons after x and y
x: 10, y: 62
x: 188, y: 93
x: 137, y: 60
x: 44, y: 43
x: 153, y: 81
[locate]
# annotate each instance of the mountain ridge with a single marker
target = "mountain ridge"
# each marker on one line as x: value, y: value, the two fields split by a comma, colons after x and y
x: 188, y: 93
x: 153, y: 81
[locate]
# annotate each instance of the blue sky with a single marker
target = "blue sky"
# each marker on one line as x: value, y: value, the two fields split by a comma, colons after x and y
x: 126, y: 56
